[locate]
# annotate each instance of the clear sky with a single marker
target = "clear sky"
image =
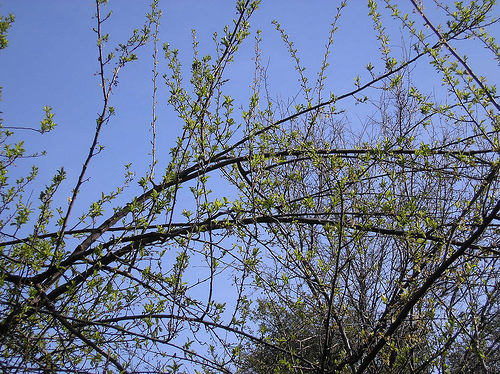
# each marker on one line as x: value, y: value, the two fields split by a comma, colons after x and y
x: 52, y: 60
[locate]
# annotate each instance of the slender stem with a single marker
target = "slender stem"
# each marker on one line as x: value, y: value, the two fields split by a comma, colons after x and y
x: 100, y: 121
x: 444, y: 42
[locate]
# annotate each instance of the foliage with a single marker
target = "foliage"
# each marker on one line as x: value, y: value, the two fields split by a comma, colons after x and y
x: 328, y: 248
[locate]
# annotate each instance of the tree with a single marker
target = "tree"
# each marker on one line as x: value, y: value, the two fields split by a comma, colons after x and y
x: 329, y: 248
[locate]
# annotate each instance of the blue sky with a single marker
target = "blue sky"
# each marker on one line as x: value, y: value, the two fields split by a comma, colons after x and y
x: 52, y: 60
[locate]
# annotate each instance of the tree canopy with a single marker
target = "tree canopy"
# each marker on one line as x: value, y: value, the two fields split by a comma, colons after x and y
x: 334, y: 231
